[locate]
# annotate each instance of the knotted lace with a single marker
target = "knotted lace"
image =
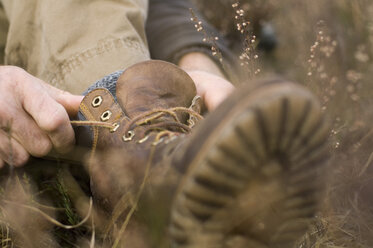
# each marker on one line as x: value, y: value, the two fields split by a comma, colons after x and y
x: 155, y: 120
x: 152, y: 121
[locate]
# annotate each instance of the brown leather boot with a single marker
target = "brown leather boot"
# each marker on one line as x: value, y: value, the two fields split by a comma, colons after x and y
x: 246, y: 176
x: 156, y: 103
x: 254, y: 166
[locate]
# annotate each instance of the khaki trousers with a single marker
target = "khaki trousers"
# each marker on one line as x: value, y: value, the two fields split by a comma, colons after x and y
x: 72, y: 43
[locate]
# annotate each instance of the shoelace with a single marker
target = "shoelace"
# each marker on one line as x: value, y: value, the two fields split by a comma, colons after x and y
x: 147, y: 119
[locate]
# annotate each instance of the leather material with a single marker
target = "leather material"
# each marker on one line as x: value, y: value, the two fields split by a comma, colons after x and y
x: 142, y: 87
x: 120, y: 155
x: 152, y: 85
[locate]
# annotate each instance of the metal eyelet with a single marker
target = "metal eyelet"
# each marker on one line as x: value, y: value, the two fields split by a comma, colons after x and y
x: 96, y: 102
x: 106, y: 115
x: 129, y: 137
x: 115, y: 127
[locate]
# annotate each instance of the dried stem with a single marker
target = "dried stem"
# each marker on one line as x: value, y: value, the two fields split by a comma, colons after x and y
x: 248, y: 56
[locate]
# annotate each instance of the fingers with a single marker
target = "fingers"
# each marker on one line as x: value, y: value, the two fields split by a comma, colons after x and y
x: 209, y: 79
x: 216, y: 94
x: 70, y: 102
x: 52, y: 118
x: 213, y: 89
x: 26, y: 132
x: 11, y: 151
x: 22, y: 128
x: 38, y: 115
x: 49, y: 116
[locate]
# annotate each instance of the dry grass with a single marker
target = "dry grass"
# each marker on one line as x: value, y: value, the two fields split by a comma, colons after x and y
x: 328, y: 47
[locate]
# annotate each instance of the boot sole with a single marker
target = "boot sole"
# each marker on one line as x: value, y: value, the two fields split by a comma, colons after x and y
x: 254, y: 169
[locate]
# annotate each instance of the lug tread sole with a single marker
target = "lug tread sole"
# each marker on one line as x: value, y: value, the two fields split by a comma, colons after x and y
x: 277, y: 138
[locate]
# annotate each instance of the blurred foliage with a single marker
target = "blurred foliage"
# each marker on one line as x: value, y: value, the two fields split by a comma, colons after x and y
x: 328, y: 47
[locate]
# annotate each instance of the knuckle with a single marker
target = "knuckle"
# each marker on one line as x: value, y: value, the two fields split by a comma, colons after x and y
x: 56, y: 120
x: 21, y: 159
x: 42, y: 148
x: 45, y: 147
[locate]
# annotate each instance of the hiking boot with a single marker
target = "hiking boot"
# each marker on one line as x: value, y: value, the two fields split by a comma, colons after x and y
x: 246, y: 176
x: 154, y: 103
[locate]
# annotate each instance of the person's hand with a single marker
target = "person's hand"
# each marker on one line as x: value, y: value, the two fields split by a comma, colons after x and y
x: 212, y: 88
x: 34, y: 117
x: 209, y: 80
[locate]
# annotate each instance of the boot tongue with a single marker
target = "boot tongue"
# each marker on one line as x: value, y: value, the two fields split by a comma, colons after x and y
x: 153, y: 85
